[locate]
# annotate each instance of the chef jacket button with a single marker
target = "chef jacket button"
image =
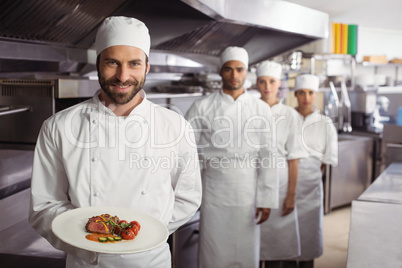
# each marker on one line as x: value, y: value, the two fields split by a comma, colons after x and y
x: 94, y: 159
x: 94, y: 121
x: 143, y: 192
x: 96, y: 194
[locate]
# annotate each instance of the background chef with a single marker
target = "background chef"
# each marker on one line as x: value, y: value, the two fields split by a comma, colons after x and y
x: 82, y: 153
x: 320, y: 141
x: 232, y: 134
x: 280, y: 234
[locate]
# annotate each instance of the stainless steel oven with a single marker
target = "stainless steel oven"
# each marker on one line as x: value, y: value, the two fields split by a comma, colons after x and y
x: 20, y: 129
x: 26, y: 103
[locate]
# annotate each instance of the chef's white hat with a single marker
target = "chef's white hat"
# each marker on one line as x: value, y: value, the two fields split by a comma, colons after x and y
x: 234, y: 53
x: 307, y: 81
x: 269, y: 68
x: 115, y: 31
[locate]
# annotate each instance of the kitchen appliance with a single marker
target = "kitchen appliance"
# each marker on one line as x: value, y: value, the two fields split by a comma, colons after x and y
x: 21, y: 129
x: 346, y: 111
x: 339, y: 108
x: 363, y: 103
x: 37, y: 100
x: 294, y: 60
x: 392, y: 144
x: 353, y: 174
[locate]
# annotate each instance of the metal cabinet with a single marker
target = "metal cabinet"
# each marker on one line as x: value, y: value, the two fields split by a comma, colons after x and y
x: 184, y: 244
x: 353, y: 174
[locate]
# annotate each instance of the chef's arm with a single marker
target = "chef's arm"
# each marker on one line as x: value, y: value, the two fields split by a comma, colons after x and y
x: 331, y: 150
x: 197, y: 122
x: 186, y: 182
x: 49, y: 193
x: 194, y: 117
x: 290, y: 199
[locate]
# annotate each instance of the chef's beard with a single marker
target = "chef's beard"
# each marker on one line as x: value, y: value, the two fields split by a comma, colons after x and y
x: 227, y: 86
x: 117, y: 97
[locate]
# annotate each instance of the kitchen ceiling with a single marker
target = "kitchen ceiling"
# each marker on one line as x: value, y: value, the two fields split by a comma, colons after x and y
x: 55, y: 35
x: 384, y: 14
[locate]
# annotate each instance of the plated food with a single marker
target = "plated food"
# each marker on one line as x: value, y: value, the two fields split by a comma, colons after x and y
x: 105, y: 228
x: 70, y: 228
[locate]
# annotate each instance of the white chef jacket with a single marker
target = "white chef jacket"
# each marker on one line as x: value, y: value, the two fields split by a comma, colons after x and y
x: 87, y: 156
x: 232, y: 135
x: 320, y: 141
x: 280, y: 234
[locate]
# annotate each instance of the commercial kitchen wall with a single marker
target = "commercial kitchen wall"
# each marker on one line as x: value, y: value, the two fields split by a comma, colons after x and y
x: 370, y: 41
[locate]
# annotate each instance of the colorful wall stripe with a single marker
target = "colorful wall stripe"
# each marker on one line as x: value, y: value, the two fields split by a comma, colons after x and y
x: 343, y: 38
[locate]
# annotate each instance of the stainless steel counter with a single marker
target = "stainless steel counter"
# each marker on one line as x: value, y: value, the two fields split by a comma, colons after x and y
x: 375, y: 230
x: 375, y: 235
x: 387, y: 188
x: 15, y: 171
x: 21, y: 245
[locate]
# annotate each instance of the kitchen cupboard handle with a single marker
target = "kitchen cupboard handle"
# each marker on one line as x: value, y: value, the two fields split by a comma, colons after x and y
x: 13, y: 110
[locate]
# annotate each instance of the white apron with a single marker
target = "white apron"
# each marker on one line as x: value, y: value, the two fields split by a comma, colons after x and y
x: 309, y: 203
x: 319, y: 138
x: 228, y: 196
x: 155, y: 258
x: 280, y: 234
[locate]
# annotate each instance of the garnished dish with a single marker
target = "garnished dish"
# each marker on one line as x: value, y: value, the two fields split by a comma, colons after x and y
x: 105, y: 228
x: 74, y: 225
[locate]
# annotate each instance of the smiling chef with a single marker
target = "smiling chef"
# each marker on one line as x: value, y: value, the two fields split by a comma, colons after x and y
x: 97, y: 153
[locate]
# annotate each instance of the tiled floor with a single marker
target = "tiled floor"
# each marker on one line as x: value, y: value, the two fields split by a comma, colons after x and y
x: 336, y: 234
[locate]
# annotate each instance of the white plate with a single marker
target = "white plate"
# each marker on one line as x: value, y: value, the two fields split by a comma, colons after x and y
x: 70, y: 228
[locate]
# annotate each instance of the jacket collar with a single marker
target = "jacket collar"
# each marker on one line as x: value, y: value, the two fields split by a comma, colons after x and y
x: 227, y: 98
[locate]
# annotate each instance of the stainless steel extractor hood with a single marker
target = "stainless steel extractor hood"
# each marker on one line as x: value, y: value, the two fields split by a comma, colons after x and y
x: 265, y: 28
x: 55, y: 36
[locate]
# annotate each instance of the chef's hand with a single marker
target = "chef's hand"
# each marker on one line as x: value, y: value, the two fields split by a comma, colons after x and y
x: 288, y: 205
x: 263, y: 214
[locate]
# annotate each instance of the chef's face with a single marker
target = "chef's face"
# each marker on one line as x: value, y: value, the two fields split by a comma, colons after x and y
x: 121, y: 72
x: 305, y: 98
x: 268, y: 87
x: 233, y: 75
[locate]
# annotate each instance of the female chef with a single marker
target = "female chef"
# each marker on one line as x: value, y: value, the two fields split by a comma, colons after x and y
x: 319, y: 139
x: 280, y: 234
